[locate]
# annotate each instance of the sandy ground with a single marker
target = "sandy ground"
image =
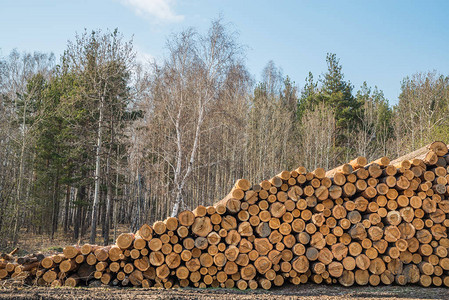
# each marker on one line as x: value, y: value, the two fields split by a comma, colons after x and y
x: 306, y: 291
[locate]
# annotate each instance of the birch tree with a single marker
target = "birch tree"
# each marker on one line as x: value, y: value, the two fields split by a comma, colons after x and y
x: 184, y: 93
x: 213, y: 57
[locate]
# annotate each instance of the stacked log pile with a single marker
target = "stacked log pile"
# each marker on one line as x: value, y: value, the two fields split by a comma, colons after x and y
x: 361, y: 223
x: 19, y: 268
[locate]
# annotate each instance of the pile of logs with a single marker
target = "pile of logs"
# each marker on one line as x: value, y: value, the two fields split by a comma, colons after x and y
x: 362, y: 223
x: 19, y: 268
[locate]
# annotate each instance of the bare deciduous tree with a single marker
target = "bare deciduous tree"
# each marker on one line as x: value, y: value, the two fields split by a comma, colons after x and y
x: 421, y: 110
x: 184, y: 93
x: 318, y: 131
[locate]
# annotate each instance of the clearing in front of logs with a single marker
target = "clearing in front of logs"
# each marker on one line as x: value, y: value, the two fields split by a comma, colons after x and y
x: 361, y: 223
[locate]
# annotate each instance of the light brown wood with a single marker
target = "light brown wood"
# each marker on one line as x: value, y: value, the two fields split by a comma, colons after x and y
x: 125, y: 240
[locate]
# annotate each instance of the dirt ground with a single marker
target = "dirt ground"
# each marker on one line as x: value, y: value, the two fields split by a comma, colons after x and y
x: 306, y: 291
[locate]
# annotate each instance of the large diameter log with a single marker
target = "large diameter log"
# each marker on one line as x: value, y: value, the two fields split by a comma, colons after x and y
x: 300, y: 264
x: 171, y: 223
x: 72, y: 281
x: 71, y: 251
x: 202, y: 226
x: 439, y: 148
x: 242, y: 184
x: 358, y: 232
x: 50, y: 276
x: 67, y: 265
x: 47, y: 263
x: 145, y: 232
x: 347, y: 278
x: 335, y: 269
x: 125, y: 240
x: 262, y: 264
x: 186, y: 218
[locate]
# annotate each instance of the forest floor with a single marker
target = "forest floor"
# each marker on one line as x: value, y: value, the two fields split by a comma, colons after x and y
x: 31, y: 243
x: 305, y: 291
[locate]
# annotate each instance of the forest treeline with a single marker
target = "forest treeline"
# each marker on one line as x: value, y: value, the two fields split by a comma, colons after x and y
x: 94, y: 139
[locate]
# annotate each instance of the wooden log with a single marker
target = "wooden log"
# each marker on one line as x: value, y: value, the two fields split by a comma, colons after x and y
x: 71, y: 251
x: 87, y: 248
x: 171, y: 223
x: 335, y: 269
x: 391, y: 234
x: 186, y: 218
x: 362, y: 262
x: 362, y: 277
x: 46, y: 263
x: 339, y: 251
x: 277, y: 209
x: 102, y: 254
x: 377, y: 266
x: 202, y: 226
x: 300, y: 264
x: 159, y: 227
x: 72, y: 281
x: 228, y: 223
x: 358, y: 162
x: 439, y: 148
x: 125, y: 240
x: 411, y: 273
x: 49, y: 276
x: 344, y: 169
x: 347, y: 278
x: 145, y: 232
x: 321, y: 193
x: 358, y: 232
x: 262, y: 246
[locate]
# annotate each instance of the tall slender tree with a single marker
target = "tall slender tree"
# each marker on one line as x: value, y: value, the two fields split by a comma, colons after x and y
x: 103, y: 62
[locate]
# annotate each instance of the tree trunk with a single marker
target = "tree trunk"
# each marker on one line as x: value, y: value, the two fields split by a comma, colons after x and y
x: 179, y: 183
x: 107, y: 220
x: 96, y: 202
x: 114, y: 213
x: 77, y: 228
x: 55, y: 213
x: 66, y: 210
x: 19, y: 184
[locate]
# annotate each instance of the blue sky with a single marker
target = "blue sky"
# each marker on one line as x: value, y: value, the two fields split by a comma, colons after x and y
x: 380, y: 42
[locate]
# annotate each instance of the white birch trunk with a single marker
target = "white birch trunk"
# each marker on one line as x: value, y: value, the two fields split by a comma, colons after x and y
x: 93, y: 232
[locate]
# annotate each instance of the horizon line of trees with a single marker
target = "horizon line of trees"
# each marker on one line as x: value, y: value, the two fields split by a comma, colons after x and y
x: 94, y: 139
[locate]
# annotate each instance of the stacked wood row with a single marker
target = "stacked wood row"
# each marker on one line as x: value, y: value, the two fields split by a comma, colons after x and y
x: 362, y: 223
x: 19, y: 268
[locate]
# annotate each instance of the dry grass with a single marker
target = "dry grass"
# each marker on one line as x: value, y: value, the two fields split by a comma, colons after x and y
x: 31, y: 243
